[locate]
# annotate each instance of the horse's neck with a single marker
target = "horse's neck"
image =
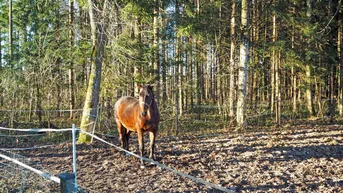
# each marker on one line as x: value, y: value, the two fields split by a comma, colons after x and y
x: 153, y: 106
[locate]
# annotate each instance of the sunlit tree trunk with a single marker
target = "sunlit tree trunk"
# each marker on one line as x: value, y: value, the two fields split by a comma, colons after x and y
x: 177, y: 89
x: 156, y: 58
x: 308, y: 68
x: 243, y: 64
x: 232, y: 60
x: 98, y: 29
x: 219, y: 63
x: 276, y: 96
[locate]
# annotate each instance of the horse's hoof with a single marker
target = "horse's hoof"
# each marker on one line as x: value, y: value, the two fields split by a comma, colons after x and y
x: 152, y: 163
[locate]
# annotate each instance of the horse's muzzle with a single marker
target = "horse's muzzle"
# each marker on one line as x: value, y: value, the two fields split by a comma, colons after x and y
x: 143, y: 114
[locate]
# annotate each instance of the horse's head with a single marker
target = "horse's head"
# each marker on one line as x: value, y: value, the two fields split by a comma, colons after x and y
x: 146, y: 97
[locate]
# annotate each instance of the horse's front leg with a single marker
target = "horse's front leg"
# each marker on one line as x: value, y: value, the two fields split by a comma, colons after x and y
x: 152, y: 136
x: 141, y: 145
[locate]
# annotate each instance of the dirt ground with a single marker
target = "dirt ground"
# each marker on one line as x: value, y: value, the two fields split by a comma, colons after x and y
x: 296, y: 159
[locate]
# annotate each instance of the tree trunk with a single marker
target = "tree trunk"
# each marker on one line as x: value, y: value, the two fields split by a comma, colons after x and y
x: 156, y: 57
x: 273, y: 69
x: 308, y: 68
x: 180, y: 79
x: 332, y: 73
x: 198, y: 66
x: 277, y: 88
x: 164, y: 72
x: 98, y: 30
x: 57, y: 68
x: 276, y: 96
x: 232, y: 60
x: 243, y: 65
x: 163, y: 57
x: 191, y: 71
x: 137, y: 70
x: 293, y: 71
x: 10, y: 34
x: 71, y: 65
x: 340, y: 55
x: 0, y: 51
x: 1, y: 89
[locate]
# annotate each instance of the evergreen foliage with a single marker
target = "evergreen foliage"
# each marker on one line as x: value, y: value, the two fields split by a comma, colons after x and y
x: 193, y: 53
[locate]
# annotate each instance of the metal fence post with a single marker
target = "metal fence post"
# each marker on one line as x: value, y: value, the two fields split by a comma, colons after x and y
x: 67, y: 183
x: 74, y: 155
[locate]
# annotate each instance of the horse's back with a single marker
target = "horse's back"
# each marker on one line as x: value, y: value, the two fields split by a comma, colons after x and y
x: 126, y: 100
x: 126, y: 103
x: 125, y: 110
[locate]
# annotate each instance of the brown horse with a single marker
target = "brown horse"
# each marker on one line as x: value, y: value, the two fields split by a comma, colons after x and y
x: 138, y: 115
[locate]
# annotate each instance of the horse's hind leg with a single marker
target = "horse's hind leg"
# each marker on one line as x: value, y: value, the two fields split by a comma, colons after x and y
x: 127, y: 138
x: 122, y: 136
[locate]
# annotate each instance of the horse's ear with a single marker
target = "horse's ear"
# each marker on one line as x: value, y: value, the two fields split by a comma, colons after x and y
x: 138, y: 85
x: 151, y: 86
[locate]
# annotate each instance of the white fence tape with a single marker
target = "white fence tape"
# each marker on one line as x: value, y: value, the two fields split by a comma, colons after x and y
x: 47, y: 110
x: 27, y: 148
x: 163, y: 166
x: 29, y: 135
x: 36, y: 130
x: 45, y: 175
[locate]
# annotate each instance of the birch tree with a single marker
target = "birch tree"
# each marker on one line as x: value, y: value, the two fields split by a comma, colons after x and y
x: 232, y: 58
x: 243, y: 64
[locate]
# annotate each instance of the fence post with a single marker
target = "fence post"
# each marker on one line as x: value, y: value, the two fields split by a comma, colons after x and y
x: 74, y: 155
x: 67, y: 183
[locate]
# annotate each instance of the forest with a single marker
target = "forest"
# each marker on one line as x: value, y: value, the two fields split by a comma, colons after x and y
x: 249, y: 92
x: 240, y: 63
